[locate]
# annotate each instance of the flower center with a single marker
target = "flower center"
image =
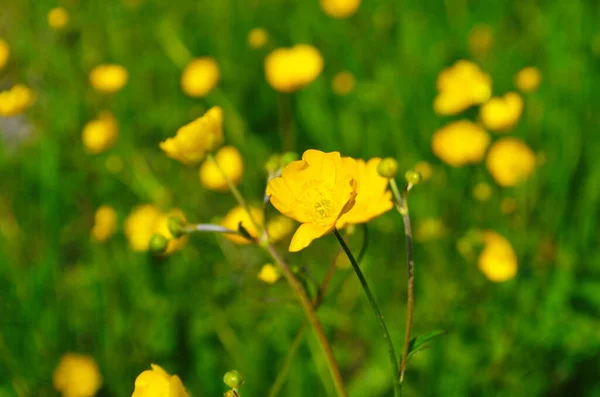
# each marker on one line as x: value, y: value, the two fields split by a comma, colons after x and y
x: 317, y: 200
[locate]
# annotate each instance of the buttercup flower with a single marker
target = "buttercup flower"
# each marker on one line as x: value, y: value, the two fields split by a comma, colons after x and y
x: 194, y: 140
x: 108, y: 78
x: 100, y: 134
x: 528, y: 79
x: 343, y: 83
x: 158, y: 383
x: 501, y: 114
x: 289, y: 69
x: 200, y: 77
x: 315, y: 191
x: 481, y: 38
x: 497, y: 261
x: 460, y: 143
x: 239, y: 215
x: 460, y: 87
x: 77, y: 375
x: 105, y: 223
x: 58, y: 18
x: 510, y: 161
x: 139, y: 226
x: 269, y: 274
x: 340, y: 8
x: 279, y: 227
x: 4, y: 53
x: 482, y: 191
x: 257, y: 38
x: 15, y: 100
x: 230, y: 161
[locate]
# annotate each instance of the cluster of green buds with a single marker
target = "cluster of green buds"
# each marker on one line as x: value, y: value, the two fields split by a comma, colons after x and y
x: 158, y: 243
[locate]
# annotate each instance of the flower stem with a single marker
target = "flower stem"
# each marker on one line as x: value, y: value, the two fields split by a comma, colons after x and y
x: 375, y: 307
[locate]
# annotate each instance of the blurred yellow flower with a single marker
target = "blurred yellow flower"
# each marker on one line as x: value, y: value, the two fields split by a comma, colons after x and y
x: 15, y: 100
x: 372, y: 195
x: 425, y: 169
x: 482, y: 191
x: 100, y: 134
x: 77, y: 375
x: 162, y: 227
x: 315, y: 191
x: 257, y: 38
x: 239, y: 215
x: 279, y: 227
x: 108, y: 78
x: 528, y: 79
x: 158, y: 383
x: 269, y: 274
x: 340, y: 8
x: 429, y: 229
x: 460, y: 143
x: 461, y: 86
x: 289, y: 69
x: 342, y: 83
x: 481, y: 39
x: 510, y: 161
x: 502, y: 113
x: 194, y: 140
x: 4, y: 53
x: 230, y: 161
x: 58, y: 18
x: 200, y: 77
x: 105, y: 223
x: 139, y: 226
x: 497, y: 261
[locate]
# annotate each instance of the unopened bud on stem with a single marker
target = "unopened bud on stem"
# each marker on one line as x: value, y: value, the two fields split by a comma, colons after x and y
x: 388, y: 167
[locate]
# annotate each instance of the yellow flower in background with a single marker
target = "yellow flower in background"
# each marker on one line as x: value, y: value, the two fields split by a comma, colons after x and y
x: 497, y: 261
x: 158, y: 383
x: 342, y: 83
x: 77, y: 375
x: 269, y: 274
x: 429, y: 229
x: 239, y: 215
x: 460, y: 143
x: 108, y: 78
x: 316, y: 191
x: 58, y: 18
x: 194, y: 140
x: 16, y: 100
x: 461, y: 86
x: 230, y: 161
x: 279, y: 227
x: 528, y: 79
x: 200, y: 77
x: 510, y: 161
x: 425, y: 169
x: 105, y: 223
x: 340, y: 8
x: 289, y: 69
x: 4, y: 53
x: 100, y: 134
x: 257, y: 38
x: 139, y: 226
x: 502, y: 113
x: 372, y: 195
x: 162, y: 227
x: 481, y: 39
x: 482, y: 191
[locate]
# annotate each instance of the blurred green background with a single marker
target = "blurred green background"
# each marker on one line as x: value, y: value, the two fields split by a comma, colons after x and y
x: 202, y: 311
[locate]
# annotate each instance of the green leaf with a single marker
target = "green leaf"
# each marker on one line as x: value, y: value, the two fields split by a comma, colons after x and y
x: 418, y: 343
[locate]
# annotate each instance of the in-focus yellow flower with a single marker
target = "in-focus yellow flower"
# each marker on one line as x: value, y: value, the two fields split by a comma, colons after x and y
x: 316, y: 191
x: 158, y: 383
x: 510, y: 161
x: 108, y: 78
x: 162, y: 227
x: 257, y: 38
x: 372, y: 195
x: 461, y: 86
x: 77, y: 375
x: 340, y: 8
x: 481, y: 39
x: 4, y: 53
x: 289, y: 69
x: 279, y: 227
x: 460, y: 143
x: 482, y: 191
x: 343, y: 83
x: 269, y: 274
x: 15, y: 100
x: 139, y: 226
x: 194, y: 140
x: 105, y: 223
x: 425, y: 169
x: 497, y: 261
x: 58, y: 18
x: 502, y: 113
x: 230, y: 161
x: 100, y: 134
x: 200, y: 77
x: 429, y: 229
x: 239, y: 215
x: 528, y: 79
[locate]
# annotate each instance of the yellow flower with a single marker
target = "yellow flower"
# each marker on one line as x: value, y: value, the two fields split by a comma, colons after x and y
x: 162, y: 227
x: 269, y: 274
x: 239, y: 215
x: 425, y: 169
x: 429, y: 229
x: 105, y: 223
x: 158, y: 383
x: 343, y: 83
x: 501, y: 114
x: 139, y: 226
x: 482, y: 191
x: 4, y: 53
x: 481, y: 39
x: 460, y: 143
x: 279, y: 227
x: 77, y: 375
x: 497, y: 261
x: 460, y: 87
x: 289, y: 69
x: 200, y: 77
x: 257, y: 38
x: 58, y: 18
x: 315, y: 191
x: 15, y: 100
x: 100, y: 134
x: 230, y: 161
x: 340, y: 8
x: 528, y: 79
x: 372, y: 196
x: 194, y: 140
x: 108, y: 78
x: 510, y: 161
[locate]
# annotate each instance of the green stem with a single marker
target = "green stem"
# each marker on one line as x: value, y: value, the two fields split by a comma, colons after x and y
x: 286, y: 123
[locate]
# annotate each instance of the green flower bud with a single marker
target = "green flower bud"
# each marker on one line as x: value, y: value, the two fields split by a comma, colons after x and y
x: 230, y: 393
x: 233, y: 379
x: 158, y: 244
x: 388, y: 167
x: 412, y: 177
x: 273, y: 163
x: 288, y: 157
x: 176, y: 226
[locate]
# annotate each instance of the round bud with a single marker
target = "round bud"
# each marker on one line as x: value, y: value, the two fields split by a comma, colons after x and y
x: 176, y: 226
x: 412, y: 177
x: 158, y: 244
x: 288, y: 157
x: 388, y: 167
x: 233, y: 379
x: 273, y: 163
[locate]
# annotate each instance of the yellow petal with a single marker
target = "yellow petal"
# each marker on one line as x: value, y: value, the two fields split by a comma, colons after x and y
x: 305, y: 234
